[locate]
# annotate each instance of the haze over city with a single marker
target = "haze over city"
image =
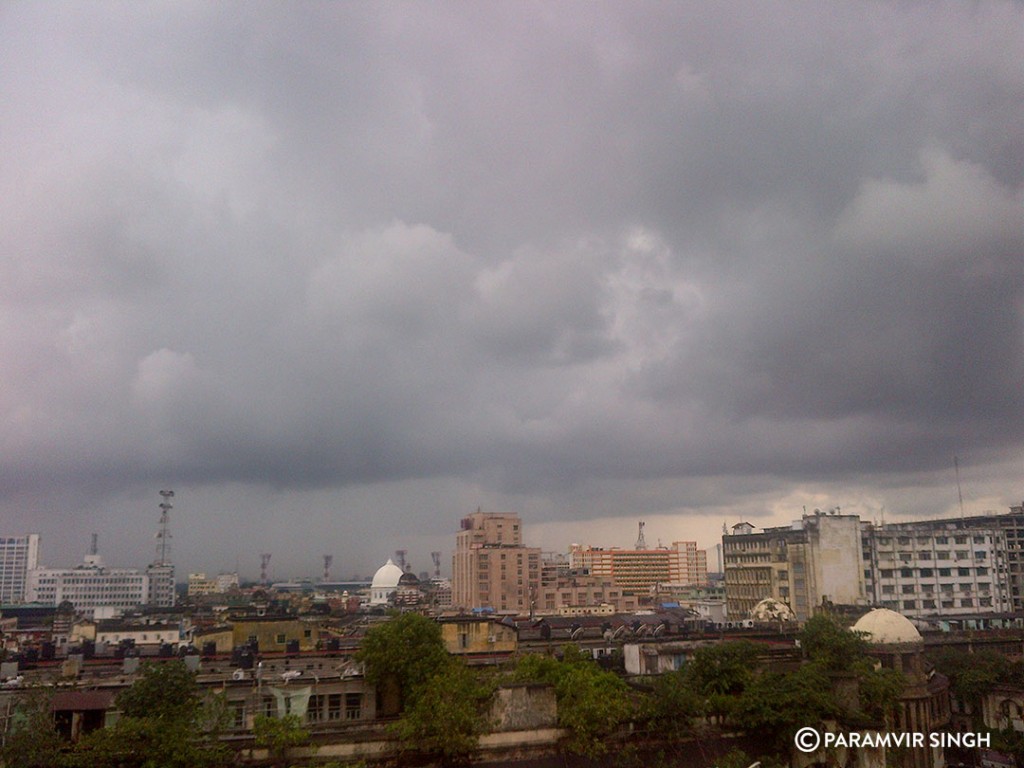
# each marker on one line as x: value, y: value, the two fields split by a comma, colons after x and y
x: 340, y: 274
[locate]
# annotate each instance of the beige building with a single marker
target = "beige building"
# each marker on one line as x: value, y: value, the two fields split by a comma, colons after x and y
x: 472, y: 634
x: 816, y: 559
x: 491, y: 568
x: 641, y: 569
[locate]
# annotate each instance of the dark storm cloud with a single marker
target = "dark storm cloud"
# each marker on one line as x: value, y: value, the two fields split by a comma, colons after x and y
x: 581, y: 259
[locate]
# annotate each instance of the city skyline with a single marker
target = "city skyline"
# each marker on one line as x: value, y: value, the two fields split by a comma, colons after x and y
x: 341, y: 274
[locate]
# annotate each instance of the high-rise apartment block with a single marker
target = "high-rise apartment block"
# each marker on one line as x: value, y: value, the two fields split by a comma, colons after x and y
x: 491, y: 568
x: 816, y: 559
x: 18, y: 556
x: 937, y: 568
x: 923, y: 569
x: 640, y: 570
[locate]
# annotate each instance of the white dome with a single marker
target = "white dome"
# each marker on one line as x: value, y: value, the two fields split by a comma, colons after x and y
x: 883, y: 627
x: 387, y: 576
x: 771, y: 609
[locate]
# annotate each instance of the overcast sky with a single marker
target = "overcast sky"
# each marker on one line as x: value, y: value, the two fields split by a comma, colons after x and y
x: 342, y: 273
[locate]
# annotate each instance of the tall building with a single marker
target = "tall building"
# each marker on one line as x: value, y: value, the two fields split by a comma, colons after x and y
x: 814, y: 560
x: 490, y: 567
x: 18, y: 556
x: 640, y: 570
x: 936, y: 568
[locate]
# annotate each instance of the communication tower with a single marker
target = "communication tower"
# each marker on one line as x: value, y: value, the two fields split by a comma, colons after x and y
x: 641, y: 543
x: 400, y: 557
x: 163, y: 536
x: 328, y: 559
x: 264, y: 562
x: 437, y: 564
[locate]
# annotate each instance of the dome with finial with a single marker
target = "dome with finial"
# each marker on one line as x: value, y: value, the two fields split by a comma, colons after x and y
x: 884, y: 627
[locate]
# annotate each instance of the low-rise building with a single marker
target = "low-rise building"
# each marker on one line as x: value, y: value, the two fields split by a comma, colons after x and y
x: 476, y: 634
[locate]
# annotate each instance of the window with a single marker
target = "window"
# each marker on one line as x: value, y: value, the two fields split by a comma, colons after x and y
x: 236, y: 714
x: 886, y: 573
x: 960, y: 540
x: 942, y: 554
x: 353, y: 706
x: 903, y: 540
x: 334, y: 706
x: 888, y: 589
x: 280, y: 638
x: 926, y: 573
x: 967, y: 602
x: 906, y: 573
x: 268, y: 707
x: 908, y: 589
x: 925, y: 555
x: 927, y: 603
x: 944, y: 571
x: 963, y: 571
x: 962, y: 554
x: 979, y: 539
x: 979, y: 554
x: 910, y: 604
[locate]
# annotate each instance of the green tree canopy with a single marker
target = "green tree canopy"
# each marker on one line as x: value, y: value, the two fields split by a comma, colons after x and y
x: 407, y: 651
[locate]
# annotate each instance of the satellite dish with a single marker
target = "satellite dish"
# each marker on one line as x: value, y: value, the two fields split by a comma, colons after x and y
x: 238, y: 674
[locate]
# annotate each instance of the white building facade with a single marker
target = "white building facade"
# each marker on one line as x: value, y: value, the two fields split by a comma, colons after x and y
x: 92, y: 588
x: 936, y: 569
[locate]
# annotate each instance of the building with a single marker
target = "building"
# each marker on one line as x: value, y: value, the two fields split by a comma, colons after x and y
x: 18, y: 556
x: 160, y: 585
x: 938, y: 568
x: 640, y: 570
x: 815, y: 560
x: 385, y: 583
x: 491, y: 568
x: 92, y: 588
x: 199, y: 584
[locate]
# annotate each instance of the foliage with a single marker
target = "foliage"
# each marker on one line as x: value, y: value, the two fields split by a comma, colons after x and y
x: 830, y: 644
x: 279, y: 734
x: 161, y: 726
x: 879, y: 691
x: 165, y: 691
x: 446, y: 716
x: 971, y: 675
x: 777, y: 704
x: 33, y: 741
x: 592, y: 703
x: 672, y: 706
x: 717, y: 674
x: 405, y: 652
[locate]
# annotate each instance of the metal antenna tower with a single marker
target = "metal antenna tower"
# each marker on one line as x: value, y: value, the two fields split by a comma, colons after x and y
x: 163, y: 536
x: 959, y: 493
x: 328, y: 559
x: 94, y: 549
x: 264, y: 562
x: 400, y: 557
x: 437, y: 564
x: 641, y: 542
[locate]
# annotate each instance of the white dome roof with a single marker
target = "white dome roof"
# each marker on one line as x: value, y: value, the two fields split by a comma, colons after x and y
x: 387, y: 576
x: 884, y: 627
x: 771, y: 609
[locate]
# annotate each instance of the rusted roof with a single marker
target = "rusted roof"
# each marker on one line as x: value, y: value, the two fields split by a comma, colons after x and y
x: 79, y: 701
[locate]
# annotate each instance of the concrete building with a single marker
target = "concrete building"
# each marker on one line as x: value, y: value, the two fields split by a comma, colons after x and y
x: 937, y: 567
x: 92, y: 588
x: 199, y: 584
x: 18, y: 556
x: 641, y: 569
x: 814, y: 560
x: 491, y: 568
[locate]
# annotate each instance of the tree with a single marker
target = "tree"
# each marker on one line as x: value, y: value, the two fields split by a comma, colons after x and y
x: 163, y: 725
x: 406, y: 652
x: 278, y: 735
x: 832, y: 645
x: 592, y: 703
x: 719, y: 673
x: 777, y: 704
x: 446, y: 716
x: 33, y: 741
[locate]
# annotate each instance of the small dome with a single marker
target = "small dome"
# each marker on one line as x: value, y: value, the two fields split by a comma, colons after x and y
x: 884, y: 627
x: 771, y: 609
x: 387, y: 576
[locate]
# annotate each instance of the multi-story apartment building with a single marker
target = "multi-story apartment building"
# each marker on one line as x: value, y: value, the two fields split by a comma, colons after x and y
x: 640, y: 570
x: 490, y: 567
x: 18, y: 556
x: 92, y: 588
x: 817, y: 559
x: 936, y: 567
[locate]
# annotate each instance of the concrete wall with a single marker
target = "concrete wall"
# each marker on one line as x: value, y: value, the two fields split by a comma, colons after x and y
x: 523, y: 707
